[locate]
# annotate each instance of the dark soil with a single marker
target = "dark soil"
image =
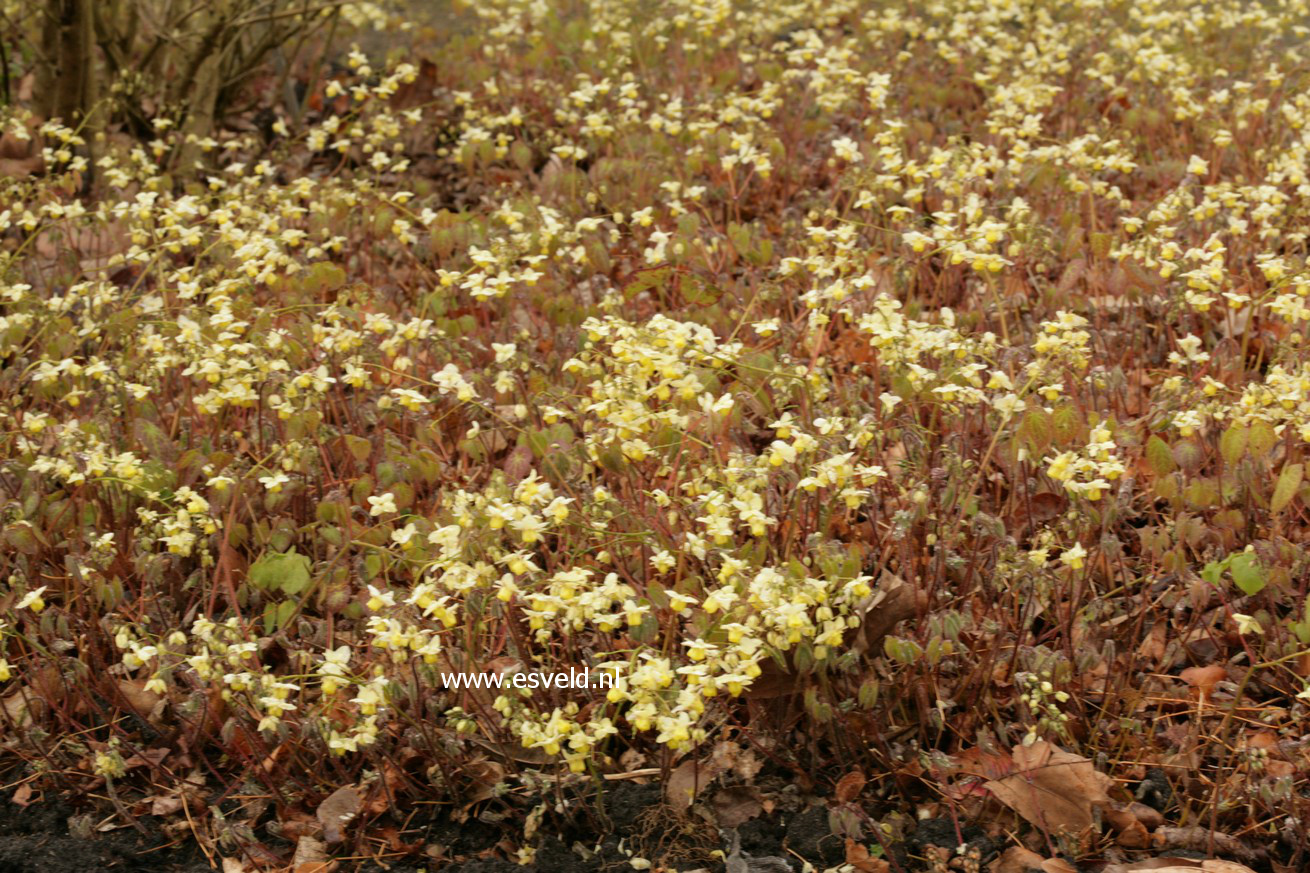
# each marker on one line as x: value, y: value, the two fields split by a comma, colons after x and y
x: 37, y: 840
x: 631, y: 820
x: 810, y: 835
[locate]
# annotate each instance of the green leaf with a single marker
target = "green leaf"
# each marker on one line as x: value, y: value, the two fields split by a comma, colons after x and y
x: 698, y: 291
x: 1289, y: 481
x: 740, y: 236
x: 904, y: 651
x: 1101, y: 243
x: 647, y: 631
x: 22, y: 538
x: 1232, y: 445
x: 1262, y: 438
x: 358, y: 446
x: 1213, y: 571
x: 868, y: 693
x: 1188, y: 454
x: 1160, y: 457
x: 646, y: 280
x: 331, y: 512
x: 1037, y: 430
x: 324, y: 276
x: 538, y: 441
x: 1202, y: 493
x: 1302, y: 628
x: 156, y: 442
x: 286, y: 571
x: 1068, y: 425
x: 277, y: 615
x: 1248, y: 575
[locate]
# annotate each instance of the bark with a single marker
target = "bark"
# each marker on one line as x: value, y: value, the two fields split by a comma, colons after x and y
x: 201, y: 109
x: 69, y: 82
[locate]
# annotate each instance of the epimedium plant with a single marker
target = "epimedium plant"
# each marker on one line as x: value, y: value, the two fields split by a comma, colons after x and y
x: 704, y: 352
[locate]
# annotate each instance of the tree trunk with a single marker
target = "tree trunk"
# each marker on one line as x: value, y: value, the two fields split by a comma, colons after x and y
x: 68, y: 40
x: 200, y: 111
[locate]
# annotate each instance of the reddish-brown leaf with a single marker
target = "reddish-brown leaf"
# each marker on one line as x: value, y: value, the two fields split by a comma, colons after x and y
x: 849, y: 786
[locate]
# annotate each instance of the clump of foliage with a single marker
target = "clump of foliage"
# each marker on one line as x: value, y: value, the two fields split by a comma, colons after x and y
x: 701, y: 349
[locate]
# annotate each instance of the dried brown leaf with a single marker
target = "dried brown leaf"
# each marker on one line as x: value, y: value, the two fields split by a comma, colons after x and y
x: 1204, y: 679
x: 1134, y: 836
x: 311, y: 857
x: 165, y: 805
x: 1051, y: 788
x: 857, y: 855
x: 337, y: 810
x: 849, y: 786
x: 1168, y: 864
x: 485, y: 776
x: 1149, y: 816
x: 23, y: 795
x: 689, y: 779
x: 1016, y: 859
x: 894, y: 601
x: 736, y: 805
x: 1152, y: 648
x: 1197, y: 839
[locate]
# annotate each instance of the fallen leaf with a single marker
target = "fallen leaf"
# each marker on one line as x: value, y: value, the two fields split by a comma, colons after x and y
x: 316, y: 867
x: 165, y: 805
x: 418, y: 90
x: 23, y: 795
x: 18, y: 169
x: 1198, y: 839
x: 687, y: 780
x: 1131, y: 831
x: 311, y: 857
x: 141, y: 701
x: 1152, y: 647
x: 1134, y: 836
x: 309, y: 851
x: 512, y: 751
x: 337, y: 810
x: 18, y: 706
x: 1171, y: 864
x: 1149, y: 816
x: 1057, y: 865
x: 148, y: 758
x: 736, y: 805
x: 849, y: 786
x: 485, y: 775
x: 857, y: 855
x: 893, y: 602
x: 983, y: 764
x: 1052, y: 788
x: 1204, y: 679
x: 737, y: 758
x: 1016, y: 859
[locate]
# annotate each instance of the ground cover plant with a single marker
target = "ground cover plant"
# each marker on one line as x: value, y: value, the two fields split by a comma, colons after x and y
x: 907, y: 405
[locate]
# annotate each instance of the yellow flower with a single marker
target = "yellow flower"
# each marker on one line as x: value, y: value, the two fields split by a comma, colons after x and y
x: 1073, y: 556
x: 33, y: 600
